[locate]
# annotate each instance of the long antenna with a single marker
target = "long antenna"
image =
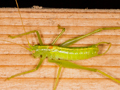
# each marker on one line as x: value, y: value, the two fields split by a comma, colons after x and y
x: 18, y: 44
x: 22, y: 21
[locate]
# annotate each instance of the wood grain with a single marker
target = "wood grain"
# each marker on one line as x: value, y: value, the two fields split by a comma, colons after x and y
x: 15, y: 59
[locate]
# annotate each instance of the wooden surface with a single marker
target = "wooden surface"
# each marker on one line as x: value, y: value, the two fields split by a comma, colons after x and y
x: 15, y: 59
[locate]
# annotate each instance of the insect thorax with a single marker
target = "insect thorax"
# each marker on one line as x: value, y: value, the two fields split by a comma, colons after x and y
x: 38, y: 51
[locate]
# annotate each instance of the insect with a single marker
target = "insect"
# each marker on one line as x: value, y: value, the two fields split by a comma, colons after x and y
x: 63, y: 53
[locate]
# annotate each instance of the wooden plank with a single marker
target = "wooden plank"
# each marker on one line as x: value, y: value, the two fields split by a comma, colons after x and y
x: 64, y: 84
x: 47, y: 39
x: 40, y: 14
x: 15, y: 59
x: 53, y: 30
x: 51, y: 72
x: 63, y: 22
x: 28, y: 60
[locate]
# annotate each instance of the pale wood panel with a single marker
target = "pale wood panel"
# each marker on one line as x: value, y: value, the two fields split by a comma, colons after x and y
x: 59, y: 15
x: 24, y: 59
x: 51, y: 72
x: 63, y: 22
x: 46, y: 10
x: 15, y: 59
x: 64, y: 84
x: 78, y: 30
x: 48, y: 39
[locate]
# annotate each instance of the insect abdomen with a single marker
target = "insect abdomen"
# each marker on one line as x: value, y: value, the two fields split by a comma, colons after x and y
x: 75, y: 53
x: 82, y: 53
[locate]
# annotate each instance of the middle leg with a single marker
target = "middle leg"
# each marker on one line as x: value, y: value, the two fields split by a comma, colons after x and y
x: 63, y: 30
x: 34, y: 31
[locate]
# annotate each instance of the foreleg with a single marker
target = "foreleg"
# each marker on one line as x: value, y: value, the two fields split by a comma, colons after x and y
x: 63, y: 30
x: 34, y: 31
